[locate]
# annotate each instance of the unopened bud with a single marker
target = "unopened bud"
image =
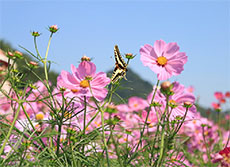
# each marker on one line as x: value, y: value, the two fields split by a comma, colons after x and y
x: 128, y: 131
x: 165, y: 85
x: 188, y: 104
x: 18, y: 54
x: 117, y: 117
x: 173, y: 103
x: 166, y: 88
x: 33, y: 63
x: 129, y: 56
x: 35, y: 34
x: 53, y: 28
x: 111, y: 109
x: 85, y: 58
x: 62, y: 89
x: 10, y: 54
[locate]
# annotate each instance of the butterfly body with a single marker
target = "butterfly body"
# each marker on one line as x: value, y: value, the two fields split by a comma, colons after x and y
x: 120, y: 66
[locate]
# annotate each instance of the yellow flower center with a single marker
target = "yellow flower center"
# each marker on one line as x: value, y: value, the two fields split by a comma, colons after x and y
x: 39, y: 116
x: 74, y: 90
x: 98, y: 124
x: 162, y: 61
x: 197, y: 131
x: 173, y: 102
x: 206, y: 133
x: 135, y: 105
x: 84, y: 83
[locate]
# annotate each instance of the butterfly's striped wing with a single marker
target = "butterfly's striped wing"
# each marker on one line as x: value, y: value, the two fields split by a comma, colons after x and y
x: 119, y: 60
x: 120, y: 66
x: 117, y: 74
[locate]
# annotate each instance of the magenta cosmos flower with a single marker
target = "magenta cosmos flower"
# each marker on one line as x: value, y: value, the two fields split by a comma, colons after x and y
x: 164, y: 59
x: 83, y: 79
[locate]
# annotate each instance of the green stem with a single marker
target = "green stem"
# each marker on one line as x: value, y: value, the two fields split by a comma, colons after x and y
x: 206, y: 146
x: 103, y: 129
x: 103, y: 135
x: 161, y: 147
x: 142, y: 131
x: 10, y: 130
x: 146, y: 119
x: 59, y: 137
x: 36, y: 48
x: 45, y: 61
x: 84, y: 122
x: 31, y: 124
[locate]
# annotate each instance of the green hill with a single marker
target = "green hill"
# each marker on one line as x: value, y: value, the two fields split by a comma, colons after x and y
x: 133, y: 86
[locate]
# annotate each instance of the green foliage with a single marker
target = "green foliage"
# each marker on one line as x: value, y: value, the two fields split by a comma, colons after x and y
x: 23, y: 68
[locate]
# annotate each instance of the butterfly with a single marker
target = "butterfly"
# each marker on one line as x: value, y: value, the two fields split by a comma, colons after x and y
x: 120, y: 66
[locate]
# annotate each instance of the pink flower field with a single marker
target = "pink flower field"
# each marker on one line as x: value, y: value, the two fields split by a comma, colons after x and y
x: 77, y: 121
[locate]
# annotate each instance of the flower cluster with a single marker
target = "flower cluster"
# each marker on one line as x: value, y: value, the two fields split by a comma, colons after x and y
x: 79, y: 116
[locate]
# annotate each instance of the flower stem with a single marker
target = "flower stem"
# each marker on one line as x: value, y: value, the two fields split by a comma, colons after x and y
x: 142, y: 131
x: 45, y: 61
x: 10, y: 130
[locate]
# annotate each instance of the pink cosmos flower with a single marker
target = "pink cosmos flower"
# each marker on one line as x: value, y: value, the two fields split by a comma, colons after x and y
x: 164, y: 59
x: 227, y: 94
x: 219, y: 95
x: 179, y: 97
x: 84, y: 79
x: 137, y: 103
x: 216, y: 106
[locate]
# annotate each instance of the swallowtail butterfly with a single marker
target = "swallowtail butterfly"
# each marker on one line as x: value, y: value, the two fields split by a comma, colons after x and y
x: 120, y: 66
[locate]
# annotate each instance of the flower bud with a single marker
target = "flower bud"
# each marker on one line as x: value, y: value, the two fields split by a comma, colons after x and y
x: 62, y: 89
x: 10, y: 54
x: 35, y: 34
x: 165, y: 85
x: 187, y: 104
x: 173, y: 103
x: 18, y: 54
x: 128, y: 131
x: 129, y: 56
x: 53, y: 28
x: 33, y: 64
x: 155, y: 104
x: 166, y: 88
x: 117, y: 118
x: 111, y: 109
x: 85, y: 58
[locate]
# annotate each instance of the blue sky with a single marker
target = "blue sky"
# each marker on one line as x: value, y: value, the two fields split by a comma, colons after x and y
x: 201, y: 29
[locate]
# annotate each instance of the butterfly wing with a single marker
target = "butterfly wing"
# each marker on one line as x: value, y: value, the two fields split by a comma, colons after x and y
x: 117, y: 74
x: 119, y: 60
x: 120, y: 68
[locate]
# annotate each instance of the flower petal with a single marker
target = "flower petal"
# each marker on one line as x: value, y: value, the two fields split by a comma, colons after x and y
x: 159, y: 47
x: 100, y: 80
